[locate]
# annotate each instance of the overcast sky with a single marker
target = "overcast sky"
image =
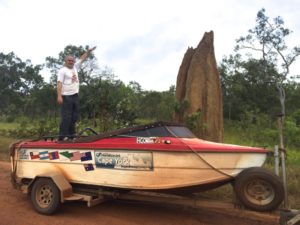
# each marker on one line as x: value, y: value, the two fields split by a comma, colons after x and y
x: 140, y: 40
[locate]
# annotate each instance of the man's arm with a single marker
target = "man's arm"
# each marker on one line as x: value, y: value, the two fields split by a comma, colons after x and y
x: 59, y: 97
x: 86, y: 54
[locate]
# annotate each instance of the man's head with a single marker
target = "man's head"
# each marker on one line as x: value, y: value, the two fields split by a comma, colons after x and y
x: 69, y: 61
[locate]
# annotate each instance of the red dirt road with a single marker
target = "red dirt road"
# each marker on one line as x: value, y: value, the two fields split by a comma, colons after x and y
x: 16, y: 209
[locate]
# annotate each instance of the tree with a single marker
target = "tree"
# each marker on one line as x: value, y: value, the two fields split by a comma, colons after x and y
x: 17, y: 80
x: 243, y: 84
x: 167, y: 104
x: 41, y: 103
x: 156, y: 105
x: 268, y: 39
x: 268, y: 63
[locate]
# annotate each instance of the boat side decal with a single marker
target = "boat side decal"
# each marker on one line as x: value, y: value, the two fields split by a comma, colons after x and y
x: 56, y: 155
x: 124, y: 160
x: 147, y: 140
x: 66, y: 154
x: 121, y: 159
x: 43, y: 155
x: 53, y: 155
x: 88, y: 167
x: 23, y: 154
x: 34, y: 155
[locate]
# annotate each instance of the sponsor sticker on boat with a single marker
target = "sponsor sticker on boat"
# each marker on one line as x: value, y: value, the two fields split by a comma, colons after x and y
x: 88, y: 167
x: 147, y: 140
x: 125, y: 160
x: 23, y: 154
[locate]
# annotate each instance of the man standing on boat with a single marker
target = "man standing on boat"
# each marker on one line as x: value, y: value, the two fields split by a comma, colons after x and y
x: 67, y: 94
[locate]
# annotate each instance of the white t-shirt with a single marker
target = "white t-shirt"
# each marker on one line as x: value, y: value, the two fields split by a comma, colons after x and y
x: 69, y: 79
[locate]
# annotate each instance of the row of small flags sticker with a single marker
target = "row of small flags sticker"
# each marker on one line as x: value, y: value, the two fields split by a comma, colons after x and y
x: 85, y: 156
x: 73, y: 156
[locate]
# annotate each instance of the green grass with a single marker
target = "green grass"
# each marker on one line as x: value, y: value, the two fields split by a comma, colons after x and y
x: 293, y: 180
x: 293, y: 157
x: 4, y: 147
x: 8, y: 126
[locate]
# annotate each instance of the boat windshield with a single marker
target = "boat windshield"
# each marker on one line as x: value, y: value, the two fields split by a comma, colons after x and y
x: 169, y: 131
x: 182, y: 132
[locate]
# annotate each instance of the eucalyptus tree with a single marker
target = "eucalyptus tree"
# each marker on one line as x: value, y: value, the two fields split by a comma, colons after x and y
x: 268, y: 40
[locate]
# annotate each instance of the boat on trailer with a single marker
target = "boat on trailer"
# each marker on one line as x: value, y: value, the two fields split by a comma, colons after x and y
x: 159, y: 157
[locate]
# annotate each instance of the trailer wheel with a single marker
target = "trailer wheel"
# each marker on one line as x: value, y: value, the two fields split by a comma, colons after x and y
x: 259, y: 189
x: 45, y: 196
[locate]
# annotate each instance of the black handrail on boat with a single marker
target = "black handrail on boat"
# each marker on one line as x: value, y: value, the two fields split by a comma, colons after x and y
x: 71, y: 137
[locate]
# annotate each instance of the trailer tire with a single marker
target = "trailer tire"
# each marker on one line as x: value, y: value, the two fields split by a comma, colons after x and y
x: 45, y: 196
x: 259, y: 189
